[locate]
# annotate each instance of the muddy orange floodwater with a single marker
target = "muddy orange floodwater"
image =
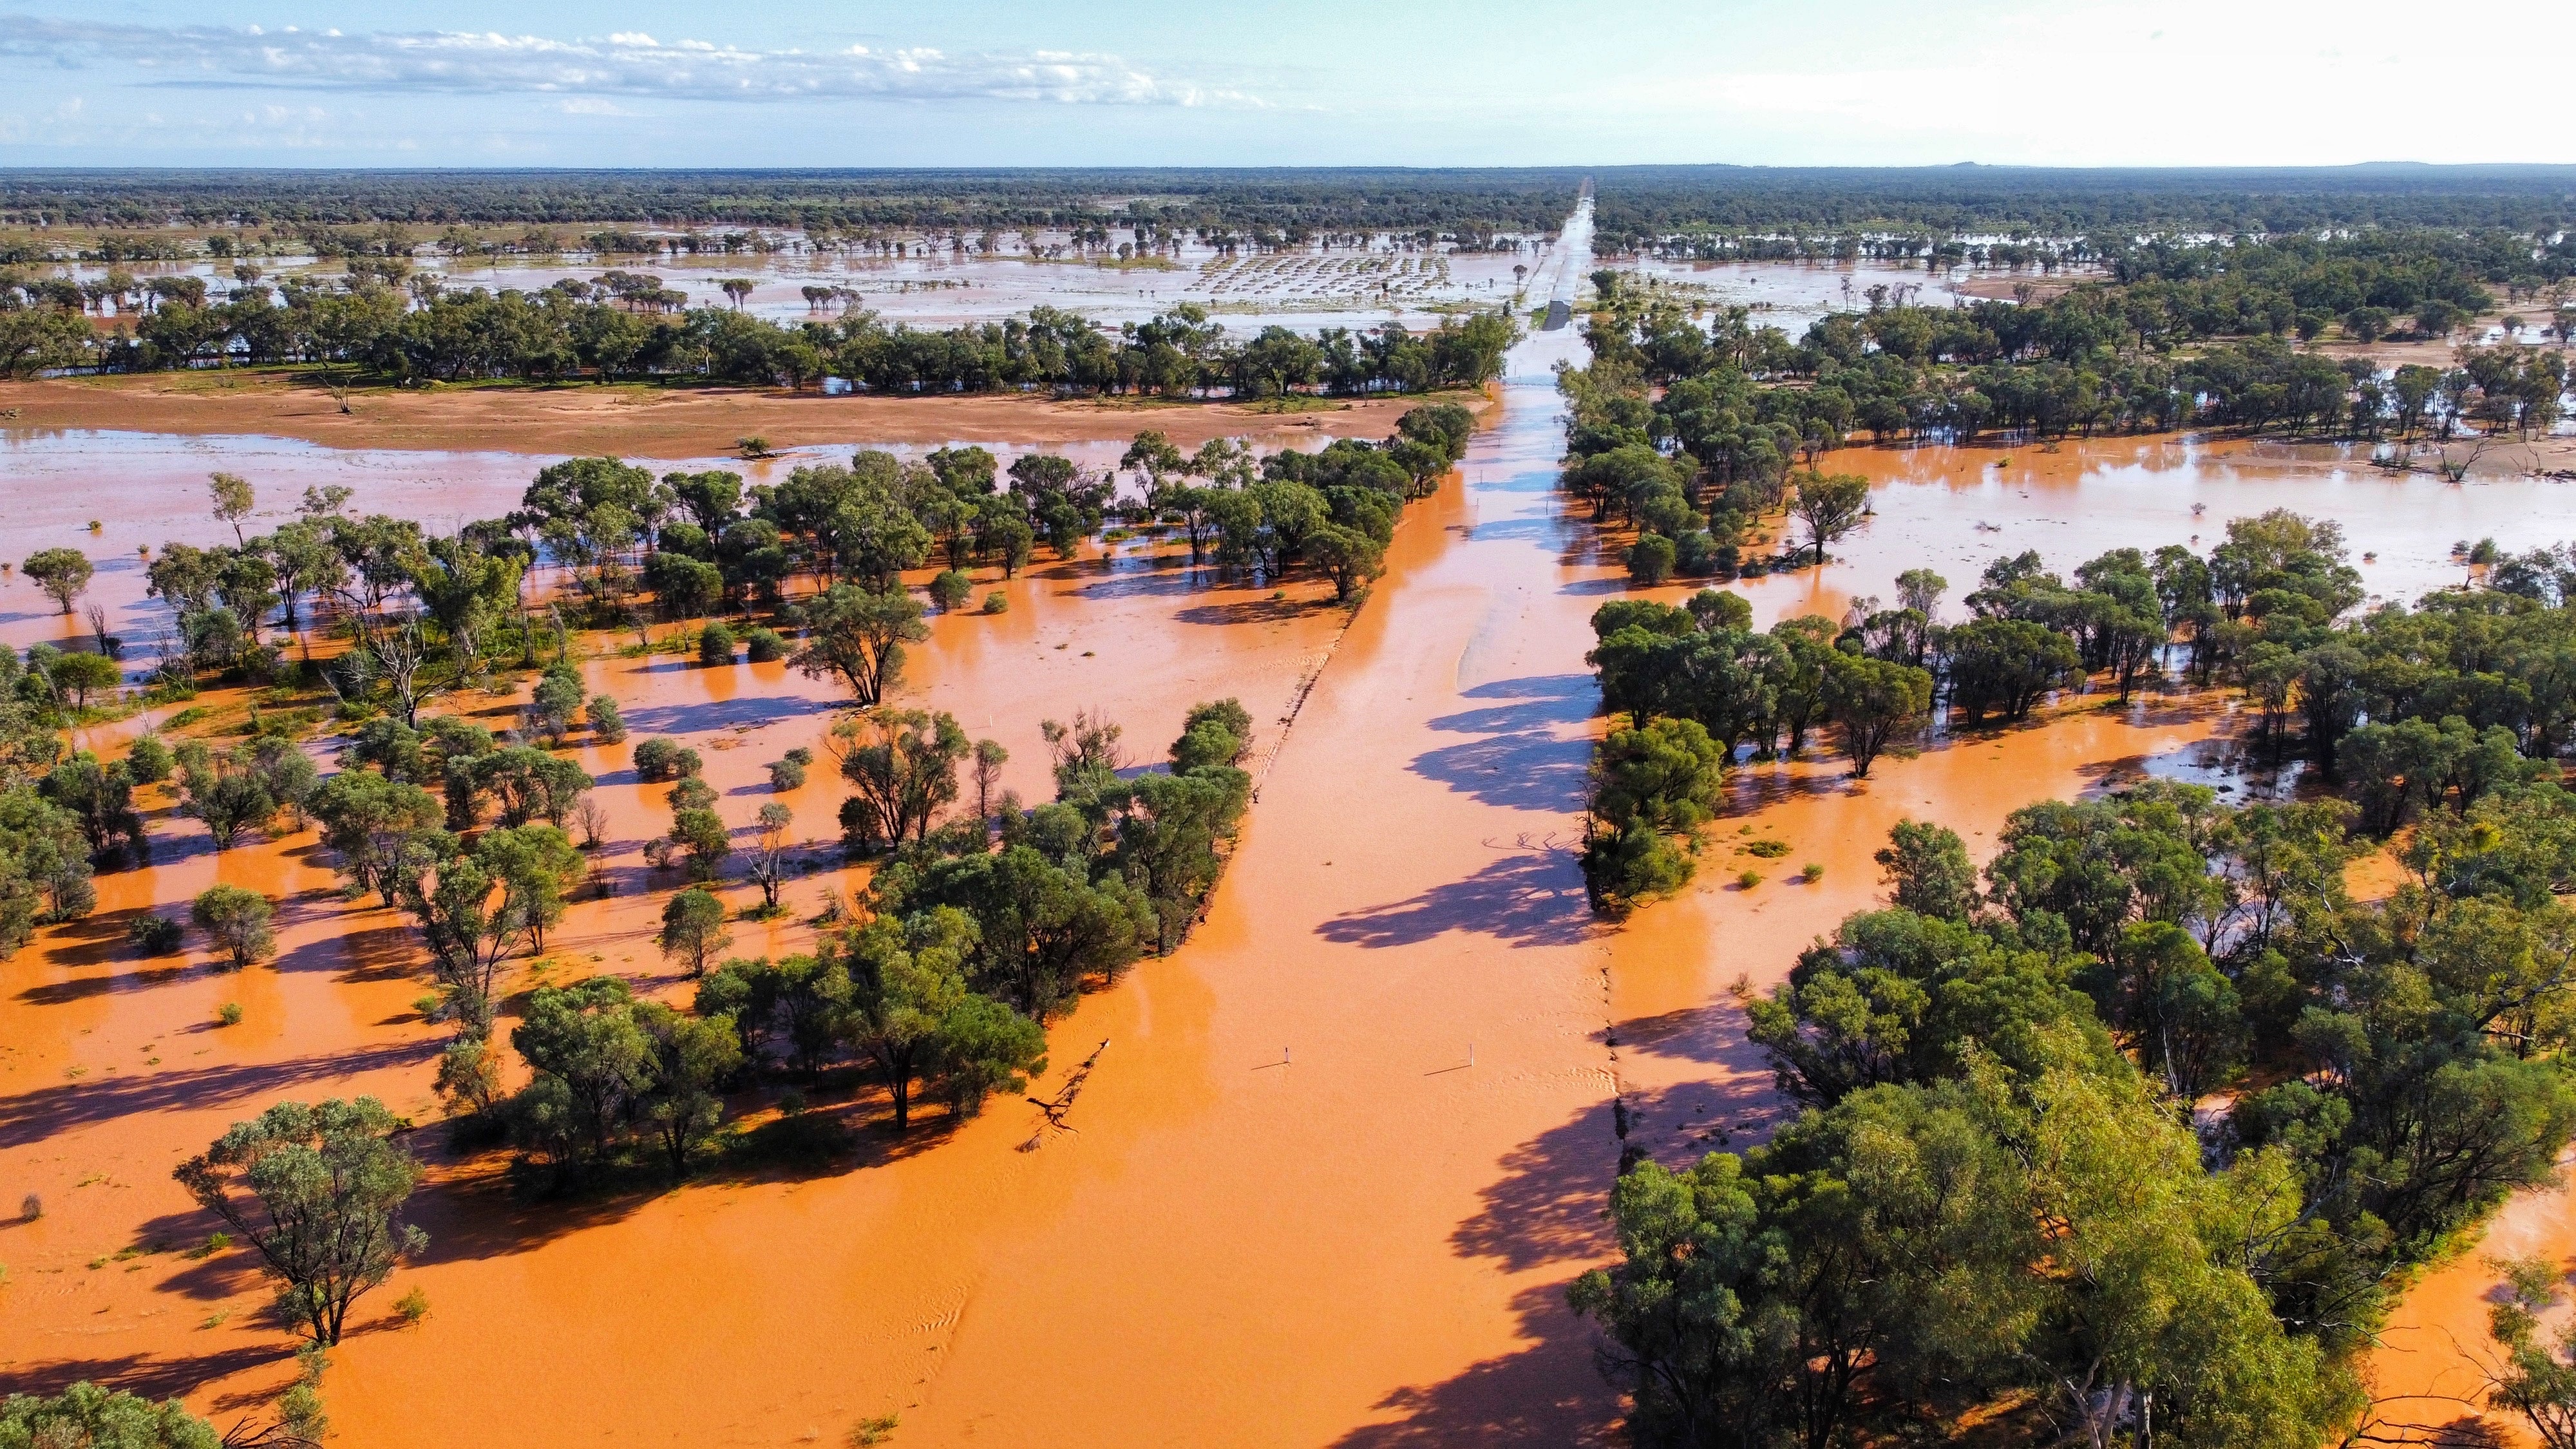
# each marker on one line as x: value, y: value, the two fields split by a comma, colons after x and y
x: 1345, y: 1148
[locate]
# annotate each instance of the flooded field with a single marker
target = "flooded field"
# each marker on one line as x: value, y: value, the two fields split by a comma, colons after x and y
x: 1342, y: 1151
x: 935, y: 285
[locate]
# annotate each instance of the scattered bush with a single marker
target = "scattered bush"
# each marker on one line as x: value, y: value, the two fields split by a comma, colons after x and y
x: 86, y: 1415
x: 657, y: 760
x: 715, y: 644
x: 31, y: 1207
x: 764, y: 646
x: 997, y: 602
x: 607, y: 725
x: 1651, y: 559
x: 299, y: 1409
x: 789, y: 773
x: 155, y: 935
x: 1812, y: 873
x: 237, y: 921
x: 693, y: 930
x: 1749, y: 879
x: 148, y: 763
x: 412, y: 1307
x: 951, y: 589
x: 229, y: 1014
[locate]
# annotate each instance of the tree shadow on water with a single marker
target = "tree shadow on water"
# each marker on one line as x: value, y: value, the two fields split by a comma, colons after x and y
x: 1262, y: 610
x: 1517, y: 757
x: 1546, y: 1394
x: 34, y: 1116
x: 150, y: 1377
x: 1712, y: 1032
x: 745, y: 709
x: 1545, y: 1211
x: 1532, y: 899
x: 1549, y: 1204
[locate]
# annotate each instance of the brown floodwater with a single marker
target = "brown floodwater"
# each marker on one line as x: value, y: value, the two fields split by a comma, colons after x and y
x: 1343, y: 1150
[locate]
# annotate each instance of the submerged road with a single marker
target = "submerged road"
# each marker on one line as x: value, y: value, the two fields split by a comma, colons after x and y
x: 1294, y: 1214
x: 1569, y: 263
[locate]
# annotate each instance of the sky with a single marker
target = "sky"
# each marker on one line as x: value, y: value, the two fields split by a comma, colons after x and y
x: 1255, y: 83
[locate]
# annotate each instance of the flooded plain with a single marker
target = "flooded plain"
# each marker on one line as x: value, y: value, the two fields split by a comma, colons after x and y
x: 936, y: 283
x: 1343, y: 1150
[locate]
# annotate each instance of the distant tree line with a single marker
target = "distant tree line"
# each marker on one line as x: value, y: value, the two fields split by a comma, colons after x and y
x: 1293, y: 203
x: 629, y: 326
x: 1638, y: 204
x: 1634, y: 201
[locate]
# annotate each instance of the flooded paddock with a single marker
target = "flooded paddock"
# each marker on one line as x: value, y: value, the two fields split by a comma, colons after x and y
x: 1345, y: 1147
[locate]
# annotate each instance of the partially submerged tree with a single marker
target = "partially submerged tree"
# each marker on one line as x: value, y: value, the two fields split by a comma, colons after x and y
x: 317, y: 1192
x: 1831, y: 505
x: 903, y: 765
x: 63, y: 574
x: 236, y: 920
x: 693, y: 930
x: 858, y: 637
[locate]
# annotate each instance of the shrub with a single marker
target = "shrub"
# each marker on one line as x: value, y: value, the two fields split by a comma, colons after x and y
x: 715, y: 644
x: 1623, y: 867
x: 1812, y: 873
x: 951, y: 589
x: 786, y: 775
x: 1651, y: 559
x: 607, y: 725
x: 412, y: 1306
x: 155, y: 935
x: 703, y: 835
x: 693, y: 930
x: 996, y: 603
x: 693, y: 793
x: 1749, y: 879
x: 237, y: 921
x: 86, y: 1415
x: 230, y: 1013
x: 657, y: 760
x: 764, y: 646
x: 31, y: 1207
x: 148, y: 763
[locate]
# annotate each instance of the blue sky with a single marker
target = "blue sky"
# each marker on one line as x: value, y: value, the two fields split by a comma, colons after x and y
x: 1324, y: 82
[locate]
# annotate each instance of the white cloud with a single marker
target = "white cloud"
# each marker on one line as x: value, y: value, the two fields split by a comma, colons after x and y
x: 628, y: 63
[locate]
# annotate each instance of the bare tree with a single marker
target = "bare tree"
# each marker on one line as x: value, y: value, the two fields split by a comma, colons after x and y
x: 769, y: 852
